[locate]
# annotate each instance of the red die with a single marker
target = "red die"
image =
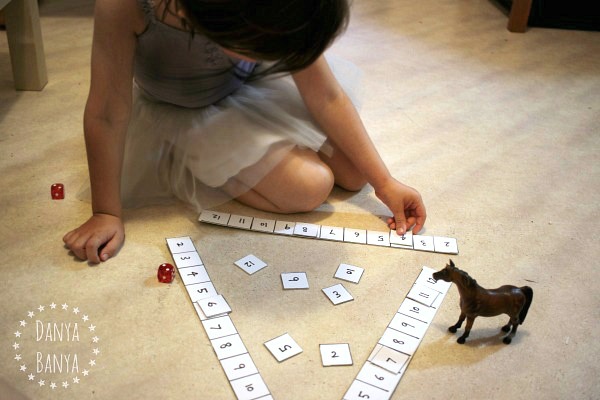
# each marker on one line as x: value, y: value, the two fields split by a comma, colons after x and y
x: 57, y: 191
x: 166, y: 273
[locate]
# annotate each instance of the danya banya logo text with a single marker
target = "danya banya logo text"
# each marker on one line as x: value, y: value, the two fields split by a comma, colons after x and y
x: 56, y: 346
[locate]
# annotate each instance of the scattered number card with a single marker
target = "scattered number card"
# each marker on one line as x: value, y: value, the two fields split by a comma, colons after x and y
x: 335, y: 354
x: 250, y: 264
x: 294, y: 280
x: 337, y: 294
x: 215, y: 305
x: 349, y: 273
x: 283, y: 347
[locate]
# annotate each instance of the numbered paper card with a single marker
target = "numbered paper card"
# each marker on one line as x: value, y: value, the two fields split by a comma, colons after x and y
x: 335, y: 354
x: 307, y: 230
x: 239, y: 366
x: 250, y: 264
x: 219, y: 327
x: 294, y: 280
x: 349, y: 273
x: 250, y: 387
x: 263, y: 225
x: 213, y: 217
x: 338, y: 294
x: 283, y: 347
x: 332, y: 233
x: 388, y: 359
x: 215, y: 305
x: 180, y: 245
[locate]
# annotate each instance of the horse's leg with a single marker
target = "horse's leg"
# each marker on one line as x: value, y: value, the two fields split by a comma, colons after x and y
x: 506, y: 327
x: 465, y: 335
x: 515, y: 325
x: 458, y: 324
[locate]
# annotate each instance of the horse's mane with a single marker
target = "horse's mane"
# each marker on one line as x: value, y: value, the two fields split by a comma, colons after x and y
x: 467, y: 280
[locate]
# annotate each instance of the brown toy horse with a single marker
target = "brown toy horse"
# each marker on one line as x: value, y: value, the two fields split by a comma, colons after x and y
x: 476, y: 301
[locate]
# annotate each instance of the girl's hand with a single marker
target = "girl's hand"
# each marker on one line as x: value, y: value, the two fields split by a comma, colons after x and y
x: 98, y: 239
x: 406, y: 206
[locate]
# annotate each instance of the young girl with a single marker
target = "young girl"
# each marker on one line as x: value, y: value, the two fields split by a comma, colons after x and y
x: 211, y: 117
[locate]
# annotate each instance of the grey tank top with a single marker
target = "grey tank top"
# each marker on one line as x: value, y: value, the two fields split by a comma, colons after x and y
x: 174, y: 67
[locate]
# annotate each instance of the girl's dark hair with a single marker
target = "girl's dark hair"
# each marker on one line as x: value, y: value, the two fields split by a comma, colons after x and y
x: 291, y: 33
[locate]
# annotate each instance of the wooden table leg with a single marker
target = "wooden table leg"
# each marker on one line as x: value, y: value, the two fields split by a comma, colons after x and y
x: 25, y: 44
x: 519, y: 15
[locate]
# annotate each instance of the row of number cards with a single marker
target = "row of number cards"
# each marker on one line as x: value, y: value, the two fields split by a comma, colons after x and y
x: 437, y: 244
x: 381, y: 373
x: 213, y: 311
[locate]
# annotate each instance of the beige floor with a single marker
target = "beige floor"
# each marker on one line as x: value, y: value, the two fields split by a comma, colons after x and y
x: 500, y: 132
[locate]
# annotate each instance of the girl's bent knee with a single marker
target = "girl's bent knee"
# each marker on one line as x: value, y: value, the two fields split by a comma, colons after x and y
x: 309, y: 191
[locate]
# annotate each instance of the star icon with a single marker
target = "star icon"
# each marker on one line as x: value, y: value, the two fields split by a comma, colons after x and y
x: 53, y: 305
x: 30, y: 314
x: 53, y: 385
x: 31, y: 377
x: 85, y: 372
x: 17, y: 334
x: 92, y: 328
x: 65, y: 306
x: 16, y: 345
x: 76, y: 379
x: 41, y: 308
x: 85, y: 318
x: 65, y: 384
x: 76, y: 310
x: 18, y: 357
x: 23, y: 323
x: 96, y: 351
x: 41, y: 382
x: 95, y: 339
x: 92, y: 363
x: 23, y: 368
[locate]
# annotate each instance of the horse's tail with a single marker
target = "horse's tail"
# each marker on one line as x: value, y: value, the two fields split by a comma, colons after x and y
x: 528, y: 292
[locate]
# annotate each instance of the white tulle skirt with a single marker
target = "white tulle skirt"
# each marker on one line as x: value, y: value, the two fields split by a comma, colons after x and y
x: 175, y: 152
